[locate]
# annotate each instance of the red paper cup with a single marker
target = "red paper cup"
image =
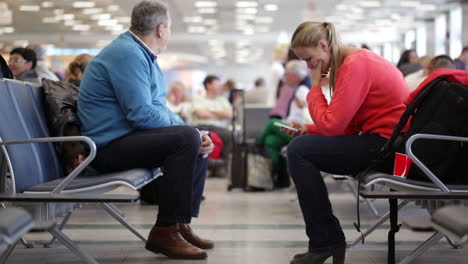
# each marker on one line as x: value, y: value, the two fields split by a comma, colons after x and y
x: 402, y: 165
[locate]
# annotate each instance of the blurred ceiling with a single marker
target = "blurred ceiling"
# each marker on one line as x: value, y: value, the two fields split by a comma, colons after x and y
x: 215, y: 31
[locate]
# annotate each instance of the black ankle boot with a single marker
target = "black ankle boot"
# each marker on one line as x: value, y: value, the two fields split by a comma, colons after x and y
x: 319, y: 257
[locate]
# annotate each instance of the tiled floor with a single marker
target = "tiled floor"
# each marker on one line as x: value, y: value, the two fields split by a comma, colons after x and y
x: 263, y: 227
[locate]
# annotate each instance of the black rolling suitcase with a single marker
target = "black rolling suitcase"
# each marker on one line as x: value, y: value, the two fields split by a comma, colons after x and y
x: 238, y: 159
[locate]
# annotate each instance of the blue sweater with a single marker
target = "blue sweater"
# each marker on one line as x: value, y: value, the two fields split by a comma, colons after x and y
x: 123, y: 89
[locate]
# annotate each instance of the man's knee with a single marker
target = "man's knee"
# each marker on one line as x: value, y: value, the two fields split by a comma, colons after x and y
x: 188, y: 136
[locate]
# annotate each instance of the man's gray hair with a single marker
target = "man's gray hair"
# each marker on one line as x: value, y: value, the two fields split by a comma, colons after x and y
x: 40, y: 51
x: 147, y: 15
x: 297, y: 67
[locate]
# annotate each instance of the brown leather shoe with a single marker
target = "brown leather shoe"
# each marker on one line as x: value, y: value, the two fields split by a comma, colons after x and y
x: 193, y: 238
x: 168, y: 241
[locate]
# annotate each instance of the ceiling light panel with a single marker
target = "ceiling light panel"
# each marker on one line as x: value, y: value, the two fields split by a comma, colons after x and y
x: 243, y: 4
x: 83, y: 4
x: 201, y: 4
x: 29, y: 8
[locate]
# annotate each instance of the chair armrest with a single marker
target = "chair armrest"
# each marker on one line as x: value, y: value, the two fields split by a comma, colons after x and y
x: 423, y: 167
x: 77, y: 170
x: 78, y: 198
x: 419, y: 195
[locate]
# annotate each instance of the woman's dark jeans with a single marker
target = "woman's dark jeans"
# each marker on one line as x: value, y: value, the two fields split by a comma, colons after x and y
x: 310, y: 154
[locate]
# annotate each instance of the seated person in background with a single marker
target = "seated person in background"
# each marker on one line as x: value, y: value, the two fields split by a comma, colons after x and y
x: 439, y: 62
x: 41, y: 66
x: 416, y: 78
x: 367, y: 102
x: 291, y: 106
x: 22, y: 63
x: 76, y: 69
x: 122, y: 107
x: 408, y: 62
x: 258, y: 95
x: 462, y: 60
x: 214, y: 112
x: 176, y: 101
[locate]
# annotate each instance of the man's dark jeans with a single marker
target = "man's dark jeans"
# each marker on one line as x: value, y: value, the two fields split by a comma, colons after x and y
x: 310, y: 154
x: 175, y: 149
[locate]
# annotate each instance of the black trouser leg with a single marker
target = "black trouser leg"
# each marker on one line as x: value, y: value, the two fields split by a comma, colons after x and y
x: 175, y: 149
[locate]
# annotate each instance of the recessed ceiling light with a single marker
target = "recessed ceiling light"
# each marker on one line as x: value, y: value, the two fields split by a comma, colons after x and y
x: 271, y: 7
x: 29, y: 8
x: 108, y: 22
x: 206, y: 4
x: 246, y: 4
x: 8, y: 30
x: 207, y: 10
x: 81, y: 27
x: 124, y: 19
x: 101, y: 16
x: 83, y: 4
x: 410, y: 3
x: 196, y: 29
x: 249, y: 10
x: 91, y: 11
x: 264, y: 20
x: 47, y: 4
x: 370, y: 3
x: 49, y: 20
x: 113, y: 8
x: 193, y: 19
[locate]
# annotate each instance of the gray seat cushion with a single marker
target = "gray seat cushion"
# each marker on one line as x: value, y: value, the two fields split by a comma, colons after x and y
x: 453, y: 218
x: 135, y: 177
x: 407, y: 182
x: 13, y: 222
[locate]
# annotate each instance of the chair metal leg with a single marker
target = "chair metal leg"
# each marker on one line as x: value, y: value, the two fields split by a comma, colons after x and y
x: 62, y: 225
x: 116, y: 209
x: 355, y: 192
x: 83, y: 255
x: 26, y: 244
x: 118, y: 217
x: 379, y: 222
x: 394, y: 228
x: 436, y: 237
x: 452, y: 243
x: 7, y: 253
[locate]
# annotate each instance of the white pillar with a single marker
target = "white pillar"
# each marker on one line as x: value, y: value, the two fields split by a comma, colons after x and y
x: 465, y: 24
x: 430, y: 37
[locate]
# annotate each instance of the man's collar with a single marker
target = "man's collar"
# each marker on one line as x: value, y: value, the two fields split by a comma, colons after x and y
x: 143, y: 44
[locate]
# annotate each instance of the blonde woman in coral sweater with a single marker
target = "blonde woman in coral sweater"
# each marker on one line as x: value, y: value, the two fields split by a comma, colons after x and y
x: 367, y: 101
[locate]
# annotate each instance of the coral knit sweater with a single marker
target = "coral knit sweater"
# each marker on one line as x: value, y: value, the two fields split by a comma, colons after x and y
x: 368, y: 98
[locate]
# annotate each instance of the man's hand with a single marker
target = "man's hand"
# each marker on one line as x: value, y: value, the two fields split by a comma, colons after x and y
x: 207, y: 145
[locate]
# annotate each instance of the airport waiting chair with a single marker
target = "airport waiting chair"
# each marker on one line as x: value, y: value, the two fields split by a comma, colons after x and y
x: 452, y: 221
x: 437, y: 107
x: 37, y: 175
x: 14, y: 222
x: 430, y: 195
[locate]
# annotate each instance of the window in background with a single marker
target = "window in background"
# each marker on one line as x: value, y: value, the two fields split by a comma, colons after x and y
x: 421, y: 40
x: 440, y: 32
x: 455, y: 33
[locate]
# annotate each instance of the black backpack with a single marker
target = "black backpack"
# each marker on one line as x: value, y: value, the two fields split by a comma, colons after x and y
x: 441, y: 108
x: 5, y: 71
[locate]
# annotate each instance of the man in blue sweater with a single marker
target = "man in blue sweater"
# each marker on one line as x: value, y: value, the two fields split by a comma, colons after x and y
x: 122, y: 107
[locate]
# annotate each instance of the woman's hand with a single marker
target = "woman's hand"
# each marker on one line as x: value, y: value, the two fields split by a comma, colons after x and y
x: 302, y: 129
x: 316, y: 74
